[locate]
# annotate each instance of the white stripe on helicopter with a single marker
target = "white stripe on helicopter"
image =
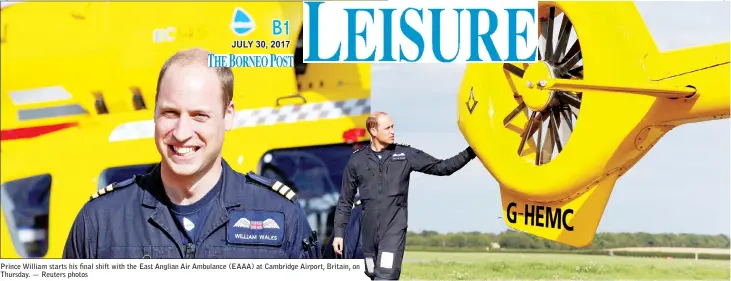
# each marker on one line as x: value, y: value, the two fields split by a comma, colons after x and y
x: 39, y: 95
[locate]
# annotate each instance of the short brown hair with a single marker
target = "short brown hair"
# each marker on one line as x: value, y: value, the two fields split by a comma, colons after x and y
x: 372, y: 121
x: 200, y: 56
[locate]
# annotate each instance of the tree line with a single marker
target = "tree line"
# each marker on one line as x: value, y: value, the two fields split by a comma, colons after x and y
x: 519, y: 240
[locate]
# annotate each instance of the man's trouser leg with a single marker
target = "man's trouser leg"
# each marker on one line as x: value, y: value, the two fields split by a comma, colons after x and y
x: 390, y: 254
x: 368, y: 234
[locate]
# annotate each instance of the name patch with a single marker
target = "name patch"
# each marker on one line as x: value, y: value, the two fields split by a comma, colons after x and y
x: 398, y: 156
x: 255, y: 228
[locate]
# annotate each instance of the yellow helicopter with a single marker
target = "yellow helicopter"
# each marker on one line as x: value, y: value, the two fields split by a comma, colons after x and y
x: 296, y: 124
x: 630, y: 96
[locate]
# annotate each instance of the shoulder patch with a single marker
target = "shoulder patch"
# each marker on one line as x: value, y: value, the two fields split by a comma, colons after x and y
x: 276, y: 186
x: 112, y: 187
x: 402, y: 144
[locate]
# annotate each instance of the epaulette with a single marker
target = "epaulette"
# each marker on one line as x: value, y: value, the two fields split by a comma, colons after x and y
x: 356, y: 204
x: 359, y: 149
x: 112, y: 187
x: 402, y: 144
x: 277, y: 186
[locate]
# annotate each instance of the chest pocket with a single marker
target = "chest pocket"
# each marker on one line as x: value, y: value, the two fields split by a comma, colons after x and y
x: 366, y: 173
x: 367, y: 179
x: 141, y: 252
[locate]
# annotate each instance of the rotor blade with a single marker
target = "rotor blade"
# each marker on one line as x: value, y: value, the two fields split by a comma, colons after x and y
x: 554, y: 130
x: 547, y: 150
x: 542, y: 43
x: 513, y: 113
x: 527, y: 132
x: 539, y: 118
x: 573, y: 52
x: 568, y: 119
x: 571, y: 62
x: 553, y: 137
x: 566, y: 67
x: 556, y: 114
x: 538, y: 144
x: 513, y: 69
x: 568, y: 99
x: 549, y: 35
x: 564, y: 126
x: 577, y: 72
x: 563, y: 38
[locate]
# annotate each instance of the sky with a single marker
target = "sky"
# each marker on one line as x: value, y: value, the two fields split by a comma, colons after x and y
x: 681, y: 186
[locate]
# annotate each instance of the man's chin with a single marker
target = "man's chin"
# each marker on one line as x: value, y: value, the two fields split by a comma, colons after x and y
x: 186, y: 169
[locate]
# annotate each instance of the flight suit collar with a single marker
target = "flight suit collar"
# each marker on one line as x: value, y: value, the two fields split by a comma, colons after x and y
x: 157, y: 212
x: 369, y: 148
x: 153, y: 188
x: 231, y: 191
x: 389, y: 150
x: 155, y: 192
x: 225, y: 201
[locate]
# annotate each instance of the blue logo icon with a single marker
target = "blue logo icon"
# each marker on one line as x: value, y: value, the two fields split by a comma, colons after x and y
x: 242, y: 23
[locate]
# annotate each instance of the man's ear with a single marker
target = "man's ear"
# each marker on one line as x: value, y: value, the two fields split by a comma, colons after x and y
x: 373, y: 132
x: 229, y: 116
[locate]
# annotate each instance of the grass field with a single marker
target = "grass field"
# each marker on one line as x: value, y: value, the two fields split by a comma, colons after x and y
x: 676, y: 250
x: 517, y: 266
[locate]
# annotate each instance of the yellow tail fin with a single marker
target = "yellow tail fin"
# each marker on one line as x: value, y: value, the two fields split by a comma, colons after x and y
x: 572, y: 221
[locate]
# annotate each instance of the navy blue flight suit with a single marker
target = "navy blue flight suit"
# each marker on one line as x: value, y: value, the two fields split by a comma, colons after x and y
x: 352, y: 241
x: 383, y: 181
x: 251, y: 217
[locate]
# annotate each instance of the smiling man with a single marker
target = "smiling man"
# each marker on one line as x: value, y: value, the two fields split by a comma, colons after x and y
x: 193, y: 204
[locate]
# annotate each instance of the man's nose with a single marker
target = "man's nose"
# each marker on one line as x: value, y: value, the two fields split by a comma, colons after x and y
x: 183, y: 130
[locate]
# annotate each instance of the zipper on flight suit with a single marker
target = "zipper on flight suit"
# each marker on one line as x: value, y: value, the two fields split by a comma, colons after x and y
x: 380, y: 193
x: 190, y: 251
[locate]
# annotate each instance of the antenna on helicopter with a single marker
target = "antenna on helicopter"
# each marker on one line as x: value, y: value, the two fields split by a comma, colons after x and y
x: 137, y: 100
x: 100, y: 104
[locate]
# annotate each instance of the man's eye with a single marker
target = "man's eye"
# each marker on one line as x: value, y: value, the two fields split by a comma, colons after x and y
x: 168, y: 114
x: 201, y: 117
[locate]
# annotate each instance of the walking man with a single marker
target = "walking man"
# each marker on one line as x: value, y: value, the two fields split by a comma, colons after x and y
x: 381, y: 173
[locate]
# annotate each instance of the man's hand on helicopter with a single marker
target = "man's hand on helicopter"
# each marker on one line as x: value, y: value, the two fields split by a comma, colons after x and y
x: 338, y: 245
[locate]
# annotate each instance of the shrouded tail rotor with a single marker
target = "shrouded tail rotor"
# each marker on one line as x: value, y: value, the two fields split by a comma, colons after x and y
x: 552, y: 112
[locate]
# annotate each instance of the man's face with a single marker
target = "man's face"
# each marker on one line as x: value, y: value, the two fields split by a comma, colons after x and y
x: 190, y: 121
x: 385, y: 133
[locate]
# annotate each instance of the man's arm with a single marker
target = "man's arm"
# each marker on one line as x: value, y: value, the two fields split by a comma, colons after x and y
x: 345, y: 204
x: 303, y: 247
x: 422, y: 162
x: 77, y: 246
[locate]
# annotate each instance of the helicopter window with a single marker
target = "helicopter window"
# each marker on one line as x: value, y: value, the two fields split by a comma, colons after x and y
x: 315, y: 173
x: 118, y: 174
x: 25, y: 204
